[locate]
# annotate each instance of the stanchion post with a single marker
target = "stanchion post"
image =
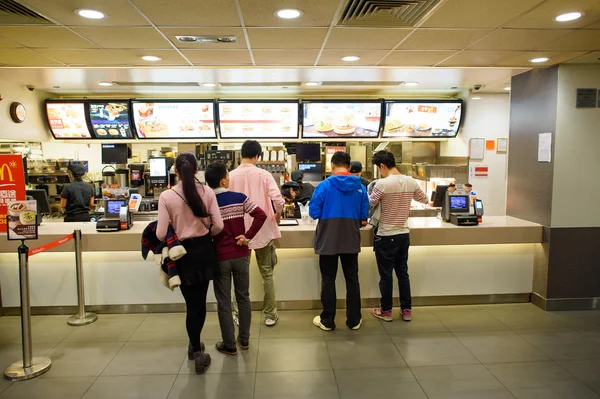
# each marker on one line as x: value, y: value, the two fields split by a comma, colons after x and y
x: 81, y: 318
x: 31, y: 366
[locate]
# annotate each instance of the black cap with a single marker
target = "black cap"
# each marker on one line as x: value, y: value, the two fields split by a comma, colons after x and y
x: 77, y: 170
x: 297, y: 175
x: 290, y: 184
x: 355, y: 167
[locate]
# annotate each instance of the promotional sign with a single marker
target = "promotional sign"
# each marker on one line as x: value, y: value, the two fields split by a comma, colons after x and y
x: 338, y: 119
x: 22, y: 220
x: 258, y: 120
x: 329, y: 151
x: 171, y: 120
x: 110, y: 120
x: 12, y: 184
x: 422, y: 119
x: 67, y: 120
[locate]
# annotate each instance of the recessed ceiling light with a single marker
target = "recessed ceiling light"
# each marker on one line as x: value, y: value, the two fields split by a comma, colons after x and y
x: 539, y: 60
x: 151, y: 58
x: 507, y: 88
x: 570, y: 16
x: 411, y: 83
x: 209, y: 84
x: 288, y: 13
x: 312, y: 83
x: 90, y: 14
x: 350, y: 58
x: 475, y: 98
x: 105, y: 83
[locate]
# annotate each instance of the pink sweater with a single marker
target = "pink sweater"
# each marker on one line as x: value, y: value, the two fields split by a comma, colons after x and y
x: 172, y: 209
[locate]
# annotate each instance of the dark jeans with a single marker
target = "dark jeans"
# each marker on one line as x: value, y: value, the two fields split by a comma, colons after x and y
x: 329, y: 267
x: 392, y: 255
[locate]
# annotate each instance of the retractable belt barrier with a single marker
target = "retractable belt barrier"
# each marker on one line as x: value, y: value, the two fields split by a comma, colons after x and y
x: 51, y: 245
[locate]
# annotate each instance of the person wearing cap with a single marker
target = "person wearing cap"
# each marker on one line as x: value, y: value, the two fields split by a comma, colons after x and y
x: 289, y: 191
x: 306, y: 190
x: 356, y: 170
x: 77, y: 197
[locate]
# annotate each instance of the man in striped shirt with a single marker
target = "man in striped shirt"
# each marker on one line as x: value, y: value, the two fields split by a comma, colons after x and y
x: 394, y: 194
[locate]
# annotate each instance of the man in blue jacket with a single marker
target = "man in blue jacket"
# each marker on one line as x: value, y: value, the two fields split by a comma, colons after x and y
x: 341, y: 204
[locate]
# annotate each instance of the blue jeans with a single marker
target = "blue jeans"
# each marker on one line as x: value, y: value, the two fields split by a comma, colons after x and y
x: 391, y: 253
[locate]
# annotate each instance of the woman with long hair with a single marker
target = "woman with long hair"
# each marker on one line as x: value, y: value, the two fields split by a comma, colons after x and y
x: 193, y: 212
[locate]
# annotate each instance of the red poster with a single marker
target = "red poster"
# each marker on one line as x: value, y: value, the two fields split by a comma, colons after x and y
x: 12, y: 184
x: 329, y: 151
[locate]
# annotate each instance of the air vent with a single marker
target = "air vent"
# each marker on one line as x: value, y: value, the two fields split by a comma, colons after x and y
x: 260, y: 84
x: 158, y: 84
x: 385, y: 13
x: 356, y: 84
x: 12, y: 13
x: 207, y: 39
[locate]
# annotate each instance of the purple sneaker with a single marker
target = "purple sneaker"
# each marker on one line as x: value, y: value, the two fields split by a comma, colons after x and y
x: 385, y: 315
x: 406, y: 314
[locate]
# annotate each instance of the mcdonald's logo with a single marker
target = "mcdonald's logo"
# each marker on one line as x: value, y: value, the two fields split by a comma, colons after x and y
x: 4, y: 169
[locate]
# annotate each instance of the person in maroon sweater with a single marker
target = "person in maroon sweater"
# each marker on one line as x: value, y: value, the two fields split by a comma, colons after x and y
x: 233, y: 256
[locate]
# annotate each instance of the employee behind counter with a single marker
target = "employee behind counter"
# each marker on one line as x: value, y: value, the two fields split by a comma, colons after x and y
x: 77, y: 197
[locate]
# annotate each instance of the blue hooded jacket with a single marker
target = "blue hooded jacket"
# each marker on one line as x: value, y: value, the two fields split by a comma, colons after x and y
x: 340, y: 203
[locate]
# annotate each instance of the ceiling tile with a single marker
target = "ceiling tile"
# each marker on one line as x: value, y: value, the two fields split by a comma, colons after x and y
x: 218, y: 57
x: 478, y: 13
x: 8, y: 44
x: 578, y: 40
x: 555, y: 58
x: 119, y: 12
x: 415, y: 58
x: 368, y: 39
x: 238, y: 32
x: 190, y: 12
x: 285, y: 57
x: 436, y: 39
x: 543, y: 16
x: 517, y: 39
x: 593, y: 26
x: 591, y: 58
x: 44, y: 37
x: 333, y: 57
x: 472, y: 58
x: 83, y: 57
x: 286, y: 38
x: 24, y: 57
x: 260, y: 13
x: 133, y: 57
x: 125, y: 37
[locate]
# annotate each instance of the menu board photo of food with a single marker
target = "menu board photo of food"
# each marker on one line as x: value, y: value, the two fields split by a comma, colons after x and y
x: 258, y: 120
x: 422, y: 119
x: 181, y: 120
x: 67, y: 120
x: 110, y: 120
x: 341, y: 119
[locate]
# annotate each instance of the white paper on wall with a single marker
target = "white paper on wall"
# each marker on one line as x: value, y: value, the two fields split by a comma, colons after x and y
x: 545, y: 147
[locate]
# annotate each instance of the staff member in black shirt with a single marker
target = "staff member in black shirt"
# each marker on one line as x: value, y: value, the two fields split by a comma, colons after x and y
x: 306, y: 189
x: 77, y: 197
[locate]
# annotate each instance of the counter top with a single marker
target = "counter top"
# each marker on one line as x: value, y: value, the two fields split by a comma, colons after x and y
x: 425, y: 231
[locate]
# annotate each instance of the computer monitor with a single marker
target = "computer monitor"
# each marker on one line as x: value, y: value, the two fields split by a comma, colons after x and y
x: 459, y: 203
x: 440, y: 194
x: 43, y: 205
x: 112, y: 208
x: 114, y: 154
x: 311, y: 171
x: 308, y: 152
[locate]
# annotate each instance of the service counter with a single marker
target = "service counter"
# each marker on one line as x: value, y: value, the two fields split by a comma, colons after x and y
x: 489, y: 263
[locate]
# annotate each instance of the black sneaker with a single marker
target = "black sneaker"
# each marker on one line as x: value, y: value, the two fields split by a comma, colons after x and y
x: 220, y: 346
x: 202, y: 362
x: 244, y: 344
x: 191, y: 350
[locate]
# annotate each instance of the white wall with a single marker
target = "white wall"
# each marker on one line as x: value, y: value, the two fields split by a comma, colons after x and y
x: 35, y: 127
x: 486, y: 118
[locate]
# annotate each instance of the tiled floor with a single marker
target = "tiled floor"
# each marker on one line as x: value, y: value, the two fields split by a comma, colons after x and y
x: 468, y: 352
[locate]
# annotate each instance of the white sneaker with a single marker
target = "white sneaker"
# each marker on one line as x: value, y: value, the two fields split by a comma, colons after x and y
x: 357, y: 327
x: 269, y: 322
x: 317, y: 322
x: 236, y: 320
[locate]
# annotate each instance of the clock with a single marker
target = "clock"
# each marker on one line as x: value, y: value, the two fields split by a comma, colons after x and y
x: 18, y: 112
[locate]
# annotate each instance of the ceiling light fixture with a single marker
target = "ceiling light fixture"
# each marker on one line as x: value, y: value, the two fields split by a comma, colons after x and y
x: 475, y: 98
x: 570, y: 16
x: 288, y: 13
x: 151, y: 58
x: 350, y: 58
x: 312, y: 83
x: 105, y: 83
x: 90, y: 14
x: 411, y: 83
x: 539, y: 60
x: 507, y: 88
x: 209, y: 84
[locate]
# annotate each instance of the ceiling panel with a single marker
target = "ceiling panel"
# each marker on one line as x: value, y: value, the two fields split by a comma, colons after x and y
x: 190, y: 12
x: 517, y: 39
x: 218, y: 31
x: 44, y: 37
x: 285, y: 57
x: 555, y: 58
x: 415, y: 58
x: 119, y: 12
x: 368, y: 39
x: 543, y: 16
x: 8, y: 44
x: 290, y: 38
x: 84, y: 57
x: 133, y: 57
x: 218, y: 57
x: 591, y: 58
x: 333, y: 57
x: 578, y: 40
x: 478, y: 13
x: 260, y: 13
x: 593, y: 26
x: 471, y: 58
x: 434, y: 39
x: 125, y: 37
x: 24, y: 57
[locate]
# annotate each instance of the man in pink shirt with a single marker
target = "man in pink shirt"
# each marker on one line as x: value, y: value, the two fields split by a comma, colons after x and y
x: 260, y: 186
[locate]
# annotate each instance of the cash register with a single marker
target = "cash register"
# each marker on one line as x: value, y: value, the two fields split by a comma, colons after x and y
x: 116, y: 216
x: 455, y: 210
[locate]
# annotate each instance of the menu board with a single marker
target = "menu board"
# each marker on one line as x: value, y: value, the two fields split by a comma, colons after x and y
x: 110, y: 120
x: 338, y: 119
x: 174, y: 120
x: 67, y: 120
x: 258, y: 120
x: 422, y: 119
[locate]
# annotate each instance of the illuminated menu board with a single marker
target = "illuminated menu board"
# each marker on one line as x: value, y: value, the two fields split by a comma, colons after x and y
x: 423, y: 118
x: 258, y: 119
x: 67, y: 120
x: 174, y: 119
x: 339, y: 119
x: 110, y: 119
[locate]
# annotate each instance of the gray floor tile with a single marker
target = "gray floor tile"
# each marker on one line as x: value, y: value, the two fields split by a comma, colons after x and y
x: 139, y: 358
x: 587, y: 370
x: 562, y: 344
x: 11, y: 330
x: 591, y: 333
x: 526, y: 317
x: 50, y: 329
x: 293, y: 324
x: 433, y: 350
x: 12, y: 353
x: 370, y: 326
x: 211, y: 329
x: 296, y: 385
x: 499, y: 347
x: 213, y: 386
x: 378, y: 384
x: 158, y: 327
x: 363, y: 352
x: 81, y: 359
x: 460, y: 382
x: 423, y: 322
x: 243, y: 362
x: 131, y: 387
x: 292, y: 354
x: 108, y: 328
x: 580, y: 318
x: 49, y: 388
x: 4, y: 384
x: 540, y: 380
x: 469, y: 319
